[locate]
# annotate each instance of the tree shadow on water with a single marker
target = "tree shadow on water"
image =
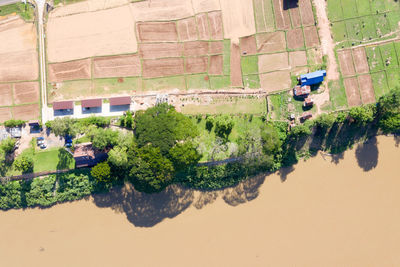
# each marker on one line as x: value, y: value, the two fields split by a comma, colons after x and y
x: 284, y: 172
x: 367, y: 154
x: 245, y: 191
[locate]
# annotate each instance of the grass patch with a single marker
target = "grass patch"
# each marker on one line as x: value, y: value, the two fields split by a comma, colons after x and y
x: 393, y: 18
x: 379, y: 83
x: 25, y: 11
x: 220, y: 82
x: 314, y: 56
x: 363, y: 7
x: 164, y: 83
x: 382, y: 25
x: 378, y: 5
x: 349, y: 9
x: 393, y: 77
x: 337, y: 95
x: 227, y: 57
x: 374, y: 59
x: 339, y: 32
x: 252, y: 81
x: 116, y: 85
x: 389, y: 56
x: 278, y: 106
x: 249, y: 65
x: 70, y: 90
x: 198, y: 81
x: 368, y: 28
x: 335, y: 11
x: 353, y: 27
x: 53, y: 159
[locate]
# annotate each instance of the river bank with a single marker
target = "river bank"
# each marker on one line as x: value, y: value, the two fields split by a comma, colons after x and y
x: 323, y: 212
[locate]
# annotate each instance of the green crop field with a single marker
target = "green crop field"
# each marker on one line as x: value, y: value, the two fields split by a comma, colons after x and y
x: 198, y: 81
x: 374, y: 59
x: 380, y: 83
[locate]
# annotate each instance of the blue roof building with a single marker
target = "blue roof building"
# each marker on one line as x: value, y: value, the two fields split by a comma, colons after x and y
x: 313, y: 77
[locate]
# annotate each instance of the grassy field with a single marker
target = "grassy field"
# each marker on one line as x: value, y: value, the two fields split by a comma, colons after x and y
x: 24, y: 11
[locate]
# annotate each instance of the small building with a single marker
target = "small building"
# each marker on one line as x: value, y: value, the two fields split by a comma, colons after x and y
x: 34, y: 123
x: 120, y: 101
x: 302, y: 91
x: 313, y: 77
x: 306, y: 116
x: 308, y: 102
x: 91, y: 103
x: 63, y: 105
x: 85, y: 155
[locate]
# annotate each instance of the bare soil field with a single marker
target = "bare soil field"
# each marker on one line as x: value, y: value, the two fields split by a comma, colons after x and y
x: 307, y: 15
x: 216, y: 28
x: 86, y: 6
x: 116, y: 66
x: 159, y: 50
x: 203, y: 26
x: 216, y: 65
x: 216, y: 48
x: 195, y: 48
x: 162, y: 67
x: 295, y: 38
x: 157, y: 32
x: 187, y: 29
x: 360, y: 60
x: 294, y: 14
x: 311, y: 36
x: 273, y: 62
x: 196, y: 64
x: 100, y: 33
x: 271, y: 42
x: 236, y: 69
x: 282, y: 17
x: 72, y: 70
x: 366, y: 89
x: 346, y: 62
x: 275, y: 81
x: 352, y: 92
x: 248, y: 45
x: 238, y: 19
x: 201, y: 6
x: 26, y: 92
x: 17, y: 36
x: 161, y: 10
x: 297, y: 58
x: 19, y: 66
x: 27, y: 112
x: 5, y: 114
x: 6, y: 95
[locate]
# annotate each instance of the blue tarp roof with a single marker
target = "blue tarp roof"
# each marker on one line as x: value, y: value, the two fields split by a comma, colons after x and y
x: 315, y: 74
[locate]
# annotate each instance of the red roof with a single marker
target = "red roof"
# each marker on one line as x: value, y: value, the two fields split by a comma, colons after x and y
x: 63, y: 105
x: 123, y: 100
x: 302, y: 90
x: 91, y: 103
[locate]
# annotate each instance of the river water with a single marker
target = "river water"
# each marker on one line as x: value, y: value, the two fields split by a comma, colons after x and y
x: 341, y: 211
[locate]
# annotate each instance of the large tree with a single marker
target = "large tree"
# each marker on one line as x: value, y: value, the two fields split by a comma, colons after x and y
x: 184, y: 155
x: 388, y: 112
x: 63, y: 126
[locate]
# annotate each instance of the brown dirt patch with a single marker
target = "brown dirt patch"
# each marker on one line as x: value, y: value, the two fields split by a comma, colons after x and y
x: 311, y: 36
x: 196, y: 64
x: 216, y: 65
x: 346, y: 62
x: 27, y: 112
x: 248, y: 45
x: 5, y: 114
x: 307, y: 14
x: 352, y: 92
x: 271, y: 42
x: 296, y: 71
x: 295, y: 16
x: 6, y: 96
x: 275, y: 81
x: 297, y: 58
x: 74, y: 70
x: 273, y: 62
x: 162, y: 67
x: 360, y: 60
x: 195, y: 48
x: 216, y: 48
x: 216, y: 29
x: 116, y: 66
x: 366, y: 89
x: 26, y: 92
x: 281, y: 16
x: 187, y: 29
x: 203, y: 27
x: 157, y: 32
x: 295, y: 39
x: 19, y: 66
x: 159, y: 50
x: 201, y: 6
x: 236, y: 69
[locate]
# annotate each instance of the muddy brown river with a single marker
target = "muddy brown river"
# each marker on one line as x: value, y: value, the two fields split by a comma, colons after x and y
x: 341, y: 211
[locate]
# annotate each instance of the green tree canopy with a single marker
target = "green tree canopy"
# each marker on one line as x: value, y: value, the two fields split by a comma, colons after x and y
x: 63, y: 126
x: 325, y: 121
x: 7, y: 145
x: 102, y: 172
x: 24, y: 163
x: 184, y: 155
x: 223, y: 126
x: 388, y: 112
x: 103, y: 138
x: 270, y: 140
x: 362, y: 115
x: 118, y: 157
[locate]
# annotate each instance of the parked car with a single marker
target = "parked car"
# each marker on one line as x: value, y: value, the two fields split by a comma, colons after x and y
x: 68, y: 144
x: 40, y: 140
x: 43, y: 145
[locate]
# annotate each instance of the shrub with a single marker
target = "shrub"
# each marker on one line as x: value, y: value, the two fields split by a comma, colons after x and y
x: 13, y: 123
x: 102, y: 172
x: 24, y: 163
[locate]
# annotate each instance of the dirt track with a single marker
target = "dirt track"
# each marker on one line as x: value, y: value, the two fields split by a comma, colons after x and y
x: 73, y: 70
x: 26, y: 92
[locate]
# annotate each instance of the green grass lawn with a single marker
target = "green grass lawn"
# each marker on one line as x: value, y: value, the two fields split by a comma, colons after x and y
x: 117, y: 85
x: 198, y: 81
x: 354, y: 30
x: 252, y: 81
x: 220, y: 82
x: 155, y: 84
x: 337, y: 95
x: 335, y: 12
x: 393, y: 77
x: 368, y: 28
x: 339, y: 32
x: 380, y: 84
x: 389, y: 56
x: 349, y: 9
x: 53, y: 159
x: 363, y: 7
x: 24, y: 11
x: 249, y: 65
x: 374, y: 59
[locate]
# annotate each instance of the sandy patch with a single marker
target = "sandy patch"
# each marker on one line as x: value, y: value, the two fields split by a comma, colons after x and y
x: 216, y: 65
x: 295, y: 38
x: 271, y: 42
x: 307, y: 14
x: 346, y: 62
x: 73, y: 70
x: 99, y: 33
x: 297, y: 58
x: 352, y: 92
x: 116, y: 66
x: 201, y: 6
x: 203, y: 27
x: 216, y: 47
x: 282, y: 17
x: 27, y: 112
x: 162, y: 67
x: 196, y: 64
x: 161, y: 10
x: 216, y: 29
x: 19, y: 66
x: 272, y: 62
x: 6, y: 96
x: 5, y: 114
x: 26, y: 92
x: 360, y: 60
x: 85, y: 6
x: 195, y: 48
x: 366, y: 89
x: 275, y: 81
x: 159, y: 50
x: 157, y: 32
x: 248, y: 45
x: 238, y: 19
x: 311, y: 36
x: 236, y: 68
x: 187, y: 29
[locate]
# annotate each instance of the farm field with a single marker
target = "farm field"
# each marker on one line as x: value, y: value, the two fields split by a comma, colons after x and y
x: 19, y: 71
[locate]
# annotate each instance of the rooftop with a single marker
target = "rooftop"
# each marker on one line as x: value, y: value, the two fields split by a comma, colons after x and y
x: 91, y: 103
x: 123, y: 100
x: 63, y: 105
